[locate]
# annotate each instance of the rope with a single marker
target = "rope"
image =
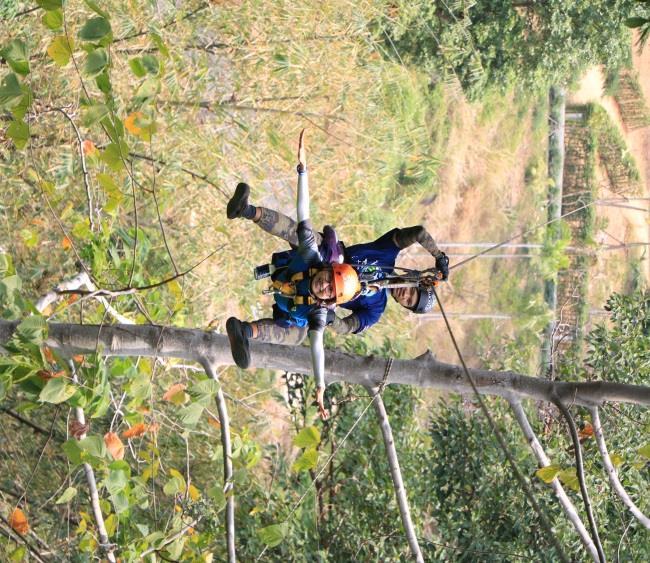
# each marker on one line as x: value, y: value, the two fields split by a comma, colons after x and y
x: 501, y: 441
x: 382, y: 385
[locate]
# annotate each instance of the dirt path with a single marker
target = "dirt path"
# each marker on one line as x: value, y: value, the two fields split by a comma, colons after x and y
x: 619, y: 224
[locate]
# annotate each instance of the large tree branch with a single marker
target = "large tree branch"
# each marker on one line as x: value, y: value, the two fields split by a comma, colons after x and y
x: 396, y: 474
x: 611, y: 471
x: 568, y: 507
x: 424, y: 371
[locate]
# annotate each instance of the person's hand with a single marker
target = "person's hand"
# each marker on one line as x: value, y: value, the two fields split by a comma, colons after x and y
x: 302, y: 155
x: 320, y: 395
x: 442, y: 265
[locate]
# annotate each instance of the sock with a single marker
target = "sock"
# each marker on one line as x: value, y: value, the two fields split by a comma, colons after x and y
x: 249, y: 212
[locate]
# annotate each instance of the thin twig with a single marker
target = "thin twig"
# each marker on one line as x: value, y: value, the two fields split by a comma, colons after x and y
x: 169, y: 23
x: 132, y: 290
x: 82, y: 156
x: 155, y: 199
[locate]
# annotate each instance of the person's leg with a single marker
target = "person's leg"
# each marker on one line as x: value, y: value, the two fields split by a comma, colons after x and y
x: 264, y: 330
x: 269, y: 220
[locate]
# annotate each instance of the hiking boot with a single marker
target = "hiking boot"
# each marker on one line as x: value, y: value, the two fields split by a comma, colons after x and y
x: 239, y: 201
x: 238, y: 342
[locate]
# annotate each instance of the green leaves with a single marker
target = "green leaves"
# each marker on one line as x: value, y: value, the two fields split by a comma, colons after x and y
x: 60, y: 50
x: 645, y: 451
x: 308, y: 460
x: 96, y: 62
x: 95, y: 29
x: 274, y: 534
x: 53, y: 19
x: 17, y: 57
x: 548, y: 473
x: 307, y: 437
x: 94, y: 114
x: 10, y: 91
x: 176, y: 484
x: 50, y: 4
x: 568, y: 476
x: 67, y: 495
x: 56, y: 390
x: 18, y: 132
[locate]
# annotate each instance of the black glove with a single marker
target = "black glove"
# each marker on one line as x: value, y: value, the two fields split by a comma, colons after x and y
x: 442, y: 265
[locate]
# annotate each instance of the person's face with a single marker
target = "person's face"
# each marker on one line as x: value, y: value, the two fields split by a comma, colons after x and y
x: 322, y: 285
x: 405, y: 296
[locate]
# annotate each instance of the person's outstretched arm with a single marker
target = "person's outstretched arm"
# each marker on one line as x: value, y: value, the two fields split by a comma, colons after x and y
x: 317, y: 321
x: 404, y: 238
x: 307, y: 241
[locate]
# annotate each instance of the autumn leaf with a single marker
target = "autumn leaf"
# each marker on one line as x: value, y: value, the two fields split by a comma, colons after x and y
x: 129, y: 123
x: 153, y: 428
x: 73, y: 298
x: 79, y: 358
x: 46, y: 375
x: 18, y: 521
x: 136, y: 430
x: 77, y: 430
x: 66, y: 243
x: 586, y: 432
x: 114, y: 445
x: 49, y: 355
x: 175, y: 393
x: 89, y: 148
x: 213, y: 422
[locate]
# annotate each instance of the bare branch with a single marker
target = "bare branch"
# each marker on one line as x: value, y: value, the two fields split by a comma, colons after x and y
x: 80, y: 280
x: 568, y: 506
x: 228, y: 483
x: 611, y: 470
x: 396, y: 474
x: 104, y: 543
x: 581, y: 477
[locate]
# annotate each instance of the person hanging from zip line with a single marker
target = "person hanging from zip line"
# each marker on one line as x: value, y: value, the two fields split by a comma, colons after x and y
x: 376, y: 258
x: 306, y: 287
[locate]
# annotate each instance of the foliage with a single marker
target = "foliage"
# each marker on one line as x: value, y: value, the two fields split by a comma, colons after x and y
x: 482, y: 43
x: 640, y: 21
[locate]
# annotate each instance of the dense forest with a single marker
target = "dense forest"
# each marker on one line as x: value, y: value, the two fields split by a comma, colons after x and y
x: 501, y: 425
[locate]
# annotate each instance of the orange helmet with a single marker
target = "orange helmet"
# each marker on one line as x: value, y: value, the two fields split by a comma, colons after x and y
x: 346, y: 282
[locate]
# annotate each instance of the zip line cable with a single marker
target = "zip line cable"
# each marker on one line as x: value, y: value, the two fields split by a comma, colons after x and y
x: 502, y: 444
x: 522, y: 234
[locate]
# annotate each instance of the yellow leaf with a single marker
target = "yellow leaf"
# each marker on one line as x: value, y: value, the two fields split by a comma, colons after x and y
x: 194, y: 493
x: 18, y: 521
x: 114, y: 445
x: 136, y: 430
x: 548, y: 473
